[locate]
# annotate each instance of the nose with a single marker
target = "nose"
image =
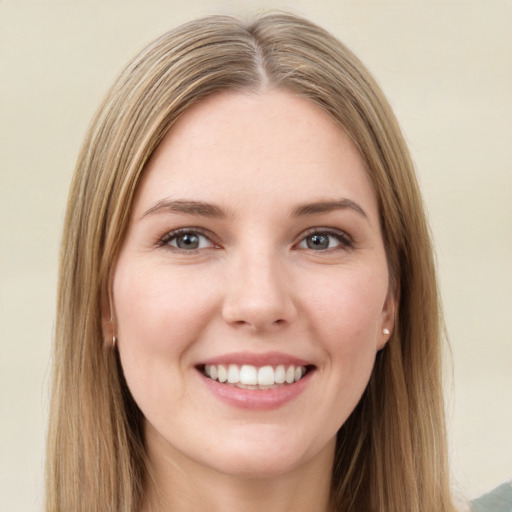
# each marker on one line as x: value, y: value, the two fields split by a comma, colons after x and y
x: 258, y: 294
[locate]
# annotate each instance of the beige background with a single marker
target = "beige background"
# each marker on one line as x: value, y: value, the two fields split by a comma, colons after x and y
x: 447, y: 69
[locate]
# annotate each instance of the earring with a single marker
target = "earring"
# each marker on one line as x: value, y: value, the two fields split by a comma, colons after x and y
x: 385, y: 331
x: 114, y: 341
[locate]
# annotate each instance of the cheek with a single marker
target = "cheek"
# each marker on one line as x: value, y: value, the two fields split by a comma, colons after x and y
x: 346, y: 316
x: 159, y: 316
x: 157, y: 309
x: 348, y: 308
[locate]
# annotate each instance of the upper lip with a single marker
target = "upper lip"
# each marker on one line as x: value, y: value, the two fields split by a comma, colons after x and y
x: 263, y: 359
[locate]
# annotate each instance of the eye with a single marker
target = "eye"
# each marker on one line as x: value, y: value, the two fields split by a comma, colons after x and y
x: 325, y: 241
x: 186, y: 240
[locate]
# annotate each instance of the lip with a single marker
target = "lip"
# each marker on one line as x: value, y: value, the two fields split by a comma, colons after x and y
x: 265, y: 359
x: 256, y: 399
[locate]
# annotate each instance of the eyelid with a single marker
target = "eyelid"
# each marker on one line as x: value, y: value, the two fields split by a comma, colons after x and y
x: 164, y: 240
x: 346, y: 241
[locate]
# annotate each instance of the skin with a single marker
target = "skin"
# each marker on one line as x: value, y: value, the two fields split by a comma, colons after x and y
x: 253, y: 285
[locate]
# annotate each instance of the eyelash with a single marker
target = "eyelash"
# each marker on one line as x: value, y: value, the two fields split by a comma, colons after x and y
x: 166, y: 240
x: 345, y: 241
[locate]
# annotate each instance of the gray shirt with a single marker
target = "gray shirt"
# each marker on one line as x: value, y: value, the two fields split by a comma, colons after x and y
x: 499, y: 500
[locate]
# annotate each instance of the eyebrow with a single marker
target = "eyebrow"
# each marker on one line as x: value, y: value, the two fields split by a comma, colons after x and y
x: 187, y: 208
x: 203, y: 209
x: 326, y: 207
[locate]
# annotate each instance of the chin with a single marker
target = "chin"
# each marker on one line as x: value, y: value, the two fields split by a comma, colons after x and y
x: 266, y: 456
x: 249, y: 466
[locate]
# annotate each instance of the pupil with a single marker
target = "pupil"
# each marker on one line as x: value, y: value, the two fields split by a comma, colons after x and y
x: 318, y: 242
x: 188, y: 242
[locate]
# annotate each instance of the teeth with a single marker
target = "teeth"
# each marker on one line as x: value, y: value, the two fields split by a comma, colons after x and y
x: 252, y: 377
x: 222, y: 373
x: 279, y: 374
x: 266, y: 376
x: 248, y: 375
x: 233, y: 374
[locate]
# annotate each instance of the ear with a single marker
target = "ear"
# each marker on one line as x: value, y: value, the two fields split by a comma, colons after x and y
x: 388, y: 317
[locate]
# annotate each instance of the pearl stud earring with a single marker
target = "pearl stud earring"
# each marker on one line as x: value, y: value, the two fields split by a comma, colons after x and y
x: 385, y: 331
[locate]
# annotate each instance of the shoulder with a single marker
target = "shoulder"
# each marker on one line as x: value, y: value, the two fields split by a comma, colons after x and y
x: 498, y: 500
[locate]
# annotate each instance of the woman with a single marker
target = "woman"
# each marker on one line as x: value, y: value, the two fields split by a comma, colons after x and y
x: 248, y: 314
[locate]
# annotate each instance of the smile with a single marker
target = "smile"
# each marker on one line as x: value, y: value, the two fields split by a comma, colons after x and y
x: 247, y: 376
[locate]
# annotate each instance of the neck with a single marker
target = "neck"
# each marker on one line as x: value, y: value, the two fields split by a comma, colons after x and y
x: 178, y: 483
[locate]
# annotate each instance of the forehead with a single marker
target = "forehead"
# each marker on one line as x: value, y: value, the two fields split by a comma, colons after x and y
x: 256, y: 146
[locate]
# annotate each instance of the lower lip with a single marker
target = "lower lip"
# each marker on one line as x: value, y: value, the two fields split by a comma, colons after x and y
x: 257, y: 399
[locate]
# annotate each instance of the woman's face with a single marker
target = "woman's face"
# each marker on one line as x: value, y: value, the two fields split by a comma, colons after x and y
x: 254, y: 254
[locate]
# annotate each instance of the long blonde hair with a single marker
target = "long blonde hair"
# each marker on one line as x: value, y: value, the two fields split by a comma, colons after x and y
x: 391, y: 452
